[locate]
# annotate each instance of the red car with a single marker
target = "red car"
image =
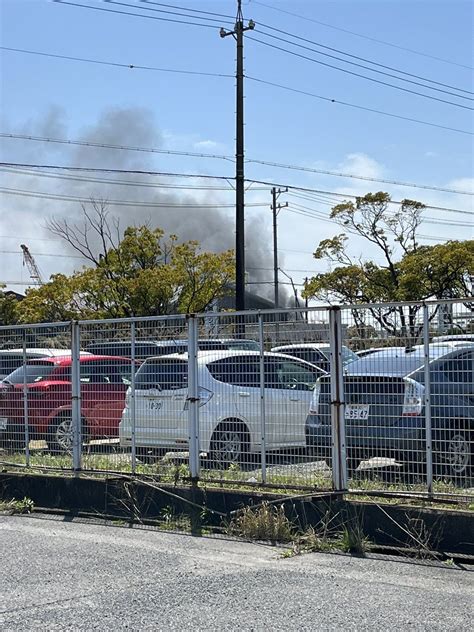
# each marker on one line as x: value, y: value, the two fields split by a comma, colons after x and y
x: 104, y: 382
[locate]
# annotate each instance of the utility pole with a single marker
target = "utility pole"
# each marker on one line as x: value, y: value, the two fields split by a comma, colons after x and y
x: 276, y: 208
x: 238, y: 35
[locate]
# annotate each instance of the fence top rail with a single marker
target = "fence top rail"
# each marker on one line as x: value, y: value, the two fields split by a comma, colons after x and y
x: 133, y: 319
x: 58, y: 325
x: 430, y: 302
x: 342, y: 306
x: 249, y: 312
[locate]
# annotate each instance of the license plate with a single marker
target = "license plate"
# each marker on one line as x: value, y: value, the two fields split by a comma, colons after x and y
x: 357, y: 411
x: 155, y: 404
x: 3, y: 423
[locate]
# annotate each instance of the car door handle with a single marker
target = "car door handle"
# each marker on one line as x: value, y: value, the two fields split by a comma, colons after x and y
x: 294, y: 399
x: 244, y: 394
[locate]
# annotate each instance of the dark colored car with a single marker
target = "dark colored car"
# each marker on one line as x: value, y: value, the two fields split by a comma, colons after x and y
x: 316, y: 353
x: 104, y: 382
x: 385, y: 413
x: 152, y: 348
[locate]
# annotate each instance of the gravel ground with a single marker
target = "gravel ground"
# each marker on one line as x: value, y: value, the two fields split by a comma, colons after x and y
x: 59, y: 575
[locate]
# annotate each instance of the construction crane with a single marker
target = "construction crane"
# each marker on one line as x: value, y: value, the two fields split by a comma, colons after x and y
x: 30, y: 263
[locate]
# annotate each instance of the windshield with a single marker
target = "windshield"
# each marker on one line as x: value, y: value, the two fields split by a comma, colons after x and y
x: 166, y: 374
x: 348, y: 356
x: 242, y: 345
x: 34, y: 373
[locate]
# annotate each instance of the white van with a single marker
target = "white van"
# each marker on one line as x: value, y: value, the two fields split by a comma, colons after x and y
x: 230, y: 404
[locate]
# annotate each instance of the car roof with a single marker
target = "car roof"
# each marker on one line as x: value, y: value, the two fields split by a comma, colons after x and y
x: 66, y: 360
x: 39, y: 352
x: 204, y: 357
x: 305, y: 345
x: 163, y: 343
x: 396, y: 366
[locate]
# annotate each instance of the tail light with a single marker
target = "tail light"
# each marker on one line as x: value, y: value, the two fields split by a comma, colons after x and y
x: 204, y: 397
x: 413, y: 399
x: 313, y: 407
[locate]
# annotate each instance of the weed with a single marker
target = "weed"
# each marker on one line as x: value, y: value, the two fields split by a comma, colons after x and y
x: 17, y: 506
x: 265, y: 522
x: 169, y: 520
x: 449, y: 562
x: 352, y: 539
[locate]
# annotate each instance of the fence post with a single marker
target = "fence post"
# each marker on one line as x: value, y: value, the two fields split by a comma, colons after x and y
x: 262, y: 399
x: 76, y: 396
x: 25, y: 404
x: 193, y: 397
x: 428, y: 434
x: 132, y: 396
x: 338, y: 429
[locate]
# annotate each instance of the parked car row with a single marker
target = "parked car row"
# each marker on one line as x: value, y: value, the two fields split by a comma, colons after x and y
x: 384, y: 394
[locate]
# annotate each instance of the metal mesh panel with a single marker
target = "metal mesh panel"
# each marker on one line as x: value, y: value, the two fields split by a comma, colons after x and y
x: 409, y: 399
x: 252, y: 426
x: 35, y: 394
x: 361, y: 397
x: 133, y: 401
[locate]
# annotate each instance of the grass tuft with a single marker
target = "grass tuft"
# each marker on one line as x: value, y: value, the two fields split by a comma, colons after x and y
x: 265, y: 522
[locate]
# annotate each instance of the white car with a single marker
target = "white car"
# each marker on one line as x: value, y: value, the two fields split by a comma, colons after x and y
x: 230, y: 404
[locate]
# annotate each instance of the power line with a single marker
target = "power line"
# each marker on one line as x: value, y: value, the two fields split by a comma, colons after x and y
x: 344, y: 196
x: 359, y: 107
x: 367, y: 37
x: 115, y: 64
x: 173, y: 6
x: 299, y: 195
x: 369, y: 61
x: 134, y: 203
x: 356, y: 177
x: 229, y: 178
x: 380, y: 72
x: 139, y: 15
x: 124, y: 171
x: 317, y: 217
x: 223, y: 75
x: 184, y: 15
x: 357, y: 74
x: 427, y: 220
x: 83, y: 143
x: 153, y: 185
x: 42, y: 254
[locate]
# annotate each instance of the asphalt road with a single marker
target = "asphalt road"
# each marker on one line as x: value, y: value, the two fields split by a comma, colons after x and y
x: 57, y: 575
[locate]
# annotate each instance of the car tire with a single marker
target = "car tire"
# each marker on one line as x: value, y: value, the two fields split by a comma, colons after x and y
x: 60, y: 436
x: 453, y: 457
x: 230, y: 444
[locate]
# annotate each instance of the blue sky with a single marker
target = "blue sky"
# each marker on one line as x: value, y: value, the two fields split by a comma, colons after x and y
x: 66, y: 99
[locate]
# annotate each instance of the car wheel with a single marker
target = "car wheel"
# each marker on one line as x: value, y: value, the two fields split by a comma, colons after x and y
x: 60, y: 438
x: 229, y: 445
x: 454, y: 458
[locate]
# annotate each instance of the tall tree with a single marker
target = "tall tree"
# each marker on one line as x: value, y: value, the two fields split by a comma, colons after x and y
x: 409, y: 272
x: 139, y: 272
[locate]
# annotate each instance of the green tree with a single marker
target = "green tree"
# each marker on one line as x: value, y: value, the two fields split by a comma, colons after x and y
x: 8, y: 309
x: 409, y: 272
x: 138, y: 273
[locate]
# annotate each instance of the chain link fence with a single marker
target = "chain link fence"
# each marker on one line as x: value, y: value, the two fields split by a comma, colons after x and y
x: 366, y: 397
